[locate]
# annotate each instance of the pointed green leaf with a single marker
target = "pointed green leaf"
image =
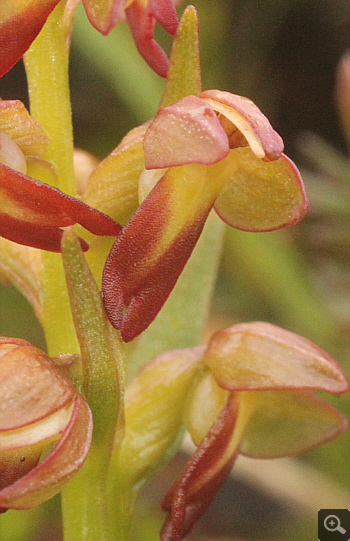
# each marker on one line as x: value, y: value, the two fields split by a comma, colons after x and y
x: 101, y: 347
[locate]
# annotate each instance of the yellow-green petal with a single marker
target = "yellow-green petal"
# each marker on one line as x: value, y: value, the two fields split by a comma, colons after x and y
x: 113, y: 185
x: 286, y: 423
x: 259, y: 195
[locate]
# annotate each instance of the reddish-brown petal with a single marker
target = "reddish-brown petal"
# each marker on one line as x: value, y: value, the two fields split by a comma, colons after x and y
x: 44, y: 209
x: 36, y: 236
x: 204, y: 473
x: 153, y: 248
x: 187, y: 132
x: 20, y: 23
x: 142, y: 21
x: 165, y: 14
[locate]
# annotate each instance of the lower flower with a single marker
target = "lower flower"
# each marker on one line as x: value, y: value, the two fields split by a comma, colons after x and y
x: 254, y: 398
x: 45, y: 427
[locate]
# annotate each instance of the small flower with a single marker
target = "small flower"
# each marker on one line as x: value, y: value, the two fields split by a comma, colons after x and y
x: 21, y: 22
x: 40, y: 411
x: 253, y: 398
x: 142, y: 15
x: 31, y: 212
x: 203, y: 150
x: 215, y: 150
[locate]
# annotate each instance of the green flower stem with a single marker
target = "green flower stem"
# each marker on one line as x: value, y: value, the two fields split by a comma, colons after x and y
x: 46, y: 65
x: 87, y: 515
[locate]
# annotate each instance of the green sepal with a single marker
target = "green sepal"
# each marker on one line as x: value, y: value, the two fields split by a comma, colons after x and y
x: 155, y: 403
x: 184, y: 78
x: 286, y: 423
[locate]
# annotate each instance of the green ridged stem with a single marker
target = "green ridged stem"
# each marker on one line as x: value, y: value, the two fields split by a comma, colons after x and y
x: 46, y: 64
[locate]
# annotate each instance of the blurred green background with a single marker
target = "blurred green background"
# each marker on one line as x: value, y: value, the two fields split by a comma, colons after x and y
x: 282, y: 54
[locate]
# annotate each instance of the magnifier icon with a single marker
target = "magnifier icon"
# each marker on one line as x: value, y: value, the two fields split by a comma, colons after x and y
x: 332, y: 524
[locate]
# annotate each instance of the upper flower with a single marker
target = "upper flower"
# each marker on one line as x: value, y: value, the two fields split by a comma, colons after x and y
x: 212, y: 150
x: 21, y: 22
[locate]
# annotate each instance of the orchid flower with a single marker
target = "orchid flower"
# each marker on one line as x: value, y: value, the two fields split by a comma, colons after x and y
x: 21, y: 22
x: 255, y: 398
x: 211, y: 150
x: 40, y: 411
x: 31, y: 212
x: 248, y: 391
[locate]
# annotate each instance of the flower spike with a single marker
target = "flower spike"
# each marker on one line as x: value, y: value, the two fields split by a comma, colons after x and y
x: 32, y: 212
